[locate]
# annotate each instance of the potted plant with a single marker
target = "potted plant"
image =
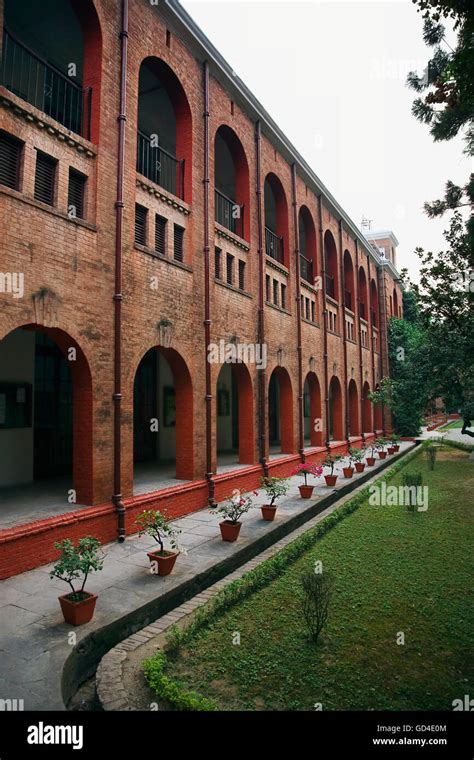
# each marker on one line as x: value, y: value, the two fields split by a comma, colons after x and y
x: 274, y: 488
x: 154, y: 524
x: 305, y: 469
x: 395, y: 439
x: 232, y: 511
x: 371, y: 459
x: 357, y: 457
x: 330, y: 462
x: 380, y: 445
x: 75, y: 561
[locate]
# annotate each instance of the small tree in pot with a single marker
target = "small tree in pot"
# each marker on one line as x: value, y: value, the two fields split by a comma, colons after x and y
x: 232, y: 511
x: 357, y: 457
x: 75, y: 561
x: 305, y: 469
x: 330, y: 463
x: 274, y: 488
x: 373, y: 450
x: 395, y: 441
x: 380, y: 444
x: 154, y: 524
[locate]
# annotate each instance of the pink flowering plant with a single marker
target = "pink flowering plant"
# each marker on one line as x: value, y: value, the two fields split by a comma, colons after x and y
x: 306, y: 468
x: 233, y: 509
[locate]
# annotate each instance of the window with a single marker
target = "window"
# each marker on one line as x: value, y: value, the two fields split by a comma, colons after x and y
x: 275, y: 292
x: 160, y: 235
x: 230, y: 269
x: 76, y: 194
x: 178, y: 251
x: 140, y: 224
x: 307, y: 308
x: 218, y: 263
x: 242, y: 275
x: 312, y: 311
x: 10, y: 153
x: 267, y: 287
x: 283, y: 296
x: 45, y: 178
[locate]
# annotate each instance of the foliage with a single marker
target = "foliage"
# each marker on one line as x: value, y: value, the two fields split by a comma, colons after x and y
x: 431, y: 452
x: 166, y: 688
x: 155, y: 524
x: 237, y: 506
x: 356, y: 455
x: 77, y: 561
x: 331, y: 460
x: 410, y: 375
x: 307, y: 468
x: 412, y: 480
x: 274, y: 488
x: 317, y: 589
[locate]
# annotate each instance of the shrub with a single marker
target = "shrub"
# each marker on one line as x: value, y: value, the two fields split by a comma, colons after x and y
x: 154, y: 524
x: 170, y: 691
x: 412, y: 481
x: 274, y: 488
x: 431, y: 452
x: 317, y: 588
x: 237, y: 506
x: 76, y: 561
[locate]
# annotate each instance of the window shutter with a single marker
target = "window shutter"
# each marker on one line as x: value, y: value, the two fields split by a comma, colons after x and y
x: 242, y: 275
x: 45, y: 178
x: 10, y: 151
x: 160, y: 235
x: 217, y: 264
x: 76, y: 193
x: 140, y: 224
x: 178, y: 243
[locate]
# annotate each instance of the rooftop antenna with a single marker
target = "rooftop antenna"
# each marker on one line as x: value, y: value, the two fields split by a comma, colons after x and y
x: 365, y: 224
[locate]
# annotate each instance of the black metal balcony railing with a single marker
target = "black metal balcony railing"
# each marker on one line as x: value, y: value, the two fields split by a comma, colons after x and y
x: 229, y: 213
x: 161, y: 167
x: 348, y: 299
x: 306, y: 269
x: 362, y: 310
x: 274, y: 245
x: 330, y: 287
x: 27, y: 75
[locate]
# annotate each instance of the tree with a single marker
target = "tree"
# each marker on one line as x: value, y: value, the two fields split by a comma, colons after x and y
x: 410, y: 373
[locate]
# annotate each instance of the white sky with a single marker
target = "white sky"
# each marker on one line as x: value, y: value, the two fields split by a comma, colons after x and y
x: 332, y: 75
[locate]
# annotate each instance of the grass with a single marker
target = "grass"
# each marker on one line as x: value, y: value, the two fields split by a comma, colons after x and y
x: 394, y: 573
x: 454, y: 425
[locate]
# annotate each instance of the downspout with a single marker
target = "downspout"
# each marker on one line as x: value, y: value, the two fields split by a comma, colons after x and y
x: 298, y: 315
x: 385, y: 333
x: 117, y: 396
x: 359, y: 331
x: 261, y: 303
x: 344, y: 341
x: 373, y: 355
x: 325, y: 321
x: 207, y: 294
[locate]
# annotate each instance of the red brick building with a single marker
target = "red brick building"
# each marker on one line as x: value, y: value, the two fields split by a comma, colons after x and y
x: 156, y: 222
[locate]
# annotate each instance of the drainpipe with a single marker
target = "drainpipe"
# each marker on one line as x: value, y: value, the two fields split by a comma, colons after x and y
x: 344, y: 341
x: 207, y: 294
x: 361, y: 367
x: 298, y: 315
x: 325, y: 321
x: 117, y: 396
x: 261, y: 302
x: 385, y: 334
x: 373, y: 354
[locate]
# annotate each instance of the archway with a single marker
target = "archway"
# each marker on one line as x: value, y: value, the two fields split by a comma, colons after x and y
x: 349, y: 287
x: 374, y: 303
x: 313, y: 423
x: 55, y: 66
x: 353, y: 400
x: 330, y: 262
x: 162, y: 420
x: 231, y: 182
x: 307, y: 241
x: 336, y: 425
x: 235, y: 415
x: 164, y: 146
x: 364, y: 304
x: 280, y: 412
x: 46, y: 417
x: 366, y: 410
x: 276, y: 220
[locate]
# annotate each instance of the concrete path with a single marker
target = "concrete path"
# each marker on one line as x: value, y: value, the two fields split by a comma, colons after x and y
x: 34, y: 640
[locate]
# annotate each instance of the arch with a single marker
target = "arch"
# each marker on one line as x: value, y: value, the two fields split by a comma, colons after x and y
x: 335, y: 422
x: 395, y: 312
x: 378, y: 413
x: 353, y: 401
x: 277, y: 241
x: 313, y: 427
x: 330, y: 265
x: 280, y: 411
x: 72, y: 34
x: 363, y: 300
x: 163, y: 393
x: 349, y: 285
x: 235, y: 412
x: 231, y: 182
x: 366, y: 409
x: 164, y: 122
x: 308, y: 248
x: 50, y: 429
x: 374, y: 303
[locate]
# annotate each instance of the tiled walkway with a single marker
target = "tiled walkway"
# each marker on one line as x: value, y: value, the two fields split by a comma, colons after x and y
x: 34, y: 642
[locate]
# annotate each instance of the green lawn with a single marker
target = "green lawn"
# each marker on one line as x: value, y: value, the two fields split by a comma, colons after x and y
x: 455, y: 424
x: 394, y: 571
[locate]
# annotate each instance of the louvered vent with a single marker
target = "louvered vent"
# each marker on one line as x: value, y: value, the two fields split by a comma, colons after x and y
x: 45, y: 178
x: 76, y: 194
x: 10, y: 151
x: 140, y: 224
x: 160, y: 235
x: 178, y: 243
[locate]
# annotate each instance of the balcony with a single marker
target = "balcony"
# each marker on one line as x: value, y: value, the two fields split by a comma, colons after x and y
x: 330, y: 287
x: 159, y: 166
x: 306, y: 269
x: 274, y: 245
x: 229, y: 213
x: 39, y: 83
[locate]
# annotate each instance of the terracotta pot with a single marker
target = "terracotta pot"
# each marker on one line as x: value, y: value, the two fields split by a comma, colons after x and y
x: 268, y: 512
x: 164, y: 562
x: 78, y: 613
x: 382, y: 454
x: 306, y: 491
x: 229, y: 530
x: 330, y: 480
x: 360, y: 466
x: 370, y: 461
x: 348, y: 472
x: 396, y: 448
x: 391, y: 450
